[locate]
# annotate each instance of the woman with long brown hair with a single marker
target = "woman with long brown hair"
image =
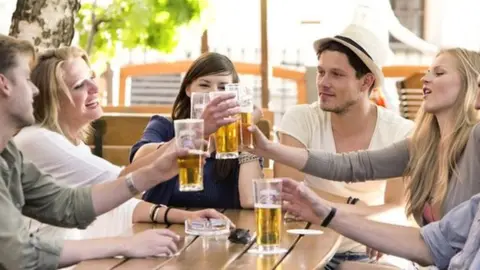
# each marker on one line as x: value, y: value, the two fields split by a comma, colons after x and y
x: 227, y: 183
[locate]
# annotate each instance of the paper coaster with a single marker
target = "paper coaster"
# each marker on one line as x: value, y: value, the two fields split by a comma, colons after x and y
x: 305, y: 232
x: 267, y: 252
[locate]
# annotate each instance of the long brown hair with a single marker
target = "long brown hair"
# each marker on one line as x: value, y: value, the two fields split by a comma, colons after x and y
x: 434, y: 158
x: 207, y: 64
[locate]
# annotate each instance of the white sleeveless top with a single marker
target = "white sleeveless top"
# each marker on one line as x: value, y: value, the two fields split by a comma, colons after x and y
x: 73, y: 166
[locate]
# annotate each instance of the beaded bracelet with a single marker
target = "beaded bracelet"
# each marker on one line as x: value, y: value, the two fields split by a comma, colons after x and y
x: 329, y: 217
x: 153, y: 212
x: 165, y: 216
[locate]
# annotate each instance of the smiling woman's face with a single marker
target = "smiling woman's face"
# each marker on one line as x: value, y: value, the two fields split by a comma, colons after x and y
x: 83, y: 106
x: 210, y: 83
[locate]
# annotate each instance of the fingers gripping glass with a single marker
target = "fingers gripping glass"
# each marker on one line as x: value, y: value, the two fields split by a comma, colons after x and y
x: 189, y: 134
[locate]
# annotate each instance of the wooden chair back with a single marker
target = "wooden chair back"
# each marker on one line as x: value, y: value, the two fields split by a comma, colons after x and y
x: 114, y: 134
x: 411, y: 95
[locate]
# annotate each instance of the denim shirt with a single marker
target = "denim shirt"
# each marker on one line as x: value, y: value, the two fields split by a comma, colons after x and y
x: 454, y: 241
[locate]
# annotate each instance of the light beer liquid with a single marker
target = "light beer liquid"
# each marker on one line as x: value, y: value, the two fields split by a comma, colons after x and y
x: 226, y: 139
x: 190, y: 173
x: 269, y: 220
x: 246, y: 135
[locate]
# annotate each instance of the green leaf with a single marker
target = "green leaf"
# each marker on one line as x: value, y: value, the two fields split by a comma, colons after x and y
x: 150, y: 24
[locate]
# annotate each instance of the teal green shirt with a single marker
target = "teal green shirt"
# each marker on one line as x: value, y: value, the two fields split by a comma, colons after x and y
x: 26, y: 191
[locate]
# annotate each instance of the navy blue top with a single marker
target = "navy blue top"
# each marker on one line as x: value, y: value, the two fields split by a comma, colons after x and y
x: 215, y: 194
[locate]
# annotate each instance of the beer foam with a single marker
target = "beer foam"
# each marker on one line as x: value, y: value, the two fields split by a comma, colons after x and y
x: 270, y: 206
x: 246, y: 109
x: 189, y: 121
x: 199, y: 107
x: 195, y: 152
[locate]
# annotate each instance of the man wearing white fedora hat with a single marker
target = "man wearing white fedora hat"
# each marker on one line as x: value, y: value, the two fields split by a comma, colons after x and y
x: 344, y: 119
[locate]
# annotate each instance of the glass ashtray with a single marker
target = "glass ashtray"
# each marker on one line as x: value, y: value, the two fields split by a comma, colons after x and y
x: 207, y: 227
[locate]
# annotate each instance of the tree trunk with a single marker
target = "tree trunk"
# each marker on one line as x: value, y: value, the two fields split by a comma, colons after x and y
x: 93, y: 29
x: 46, y: 23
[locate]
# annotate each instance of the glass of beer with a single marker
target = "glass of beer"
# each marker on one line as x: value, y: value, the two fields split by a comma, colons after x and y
x: 268, y: 213
x: 189, y: 134
x: 245, y: 99
x: 226, y: 137
x: 198, y: 102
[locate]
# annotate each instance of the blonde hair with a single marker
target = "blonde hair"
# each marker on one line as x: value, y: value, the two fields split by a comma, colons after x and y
x: 48, y: 76
x: 433, y: 159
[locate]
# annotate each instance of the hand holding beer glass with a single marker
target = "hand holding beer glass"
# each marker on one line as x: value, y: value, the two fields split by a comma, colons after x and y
x: 268, y: 215
x: 226, y: 137
x: 189, y: 135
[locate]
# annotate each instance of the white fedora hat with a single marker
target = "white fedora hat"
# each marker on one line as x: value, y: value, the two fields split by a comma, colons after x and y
x: 365, y: 44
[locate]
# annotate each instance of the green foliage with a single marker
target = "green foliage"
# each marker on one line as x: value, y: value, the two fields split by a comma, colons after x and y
x: 150, y: 24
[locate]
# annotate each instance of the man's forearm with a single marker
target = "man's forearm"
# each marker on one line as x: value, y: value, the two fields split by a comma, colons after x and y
x: 405, y: 242
x: 146, y: 156
x: 80, y: 250
x: 374, y: 212
x: 109, y: 195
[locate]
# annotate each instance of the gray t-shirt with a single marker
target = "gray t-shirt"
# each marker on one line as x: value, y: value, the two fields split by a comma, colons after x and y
x: 392, y: 161
x: 454, y: 241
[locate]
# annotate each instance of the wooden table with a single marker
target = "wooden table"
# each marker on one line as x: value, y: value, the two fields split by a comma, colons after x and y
x: 303, y: 252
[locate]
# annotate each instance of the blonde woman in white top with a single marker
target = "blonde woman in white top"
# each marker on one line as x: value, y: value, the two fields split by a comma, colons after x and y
x: 66, y: 105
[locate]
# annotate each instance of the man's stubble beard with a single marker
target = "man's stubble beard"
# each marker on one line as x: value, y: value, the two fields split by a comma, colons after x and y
x: 341, y: 109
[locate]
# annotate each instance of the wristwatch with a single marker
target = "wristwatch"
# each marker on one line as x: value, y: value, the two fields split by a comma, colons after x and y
x: 130, y: 185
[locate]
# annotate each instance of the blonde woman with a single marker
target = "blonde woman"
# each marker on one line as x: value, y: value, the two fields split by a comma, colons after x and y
x: 66, y: 105
x: 440, y: 160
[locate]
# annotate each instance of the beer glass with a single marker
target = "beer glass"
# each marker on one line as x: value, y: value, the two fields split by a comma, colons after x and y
x: 198, y: 102
x: 268, y: 213
x: 226, y: 137
x: 189, y: 134
x: 245, y: 99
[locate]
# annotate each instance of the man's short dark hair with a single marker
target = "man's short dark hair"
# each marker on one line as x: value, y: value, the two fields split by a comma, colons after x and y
x: 9, y: 49
x: 358, y: 65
